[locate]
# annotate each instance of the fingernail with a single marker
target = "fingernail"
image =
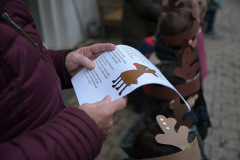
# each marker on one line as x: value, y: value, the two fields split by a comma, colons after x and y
x: 91, y: 65
x: 107, y: 99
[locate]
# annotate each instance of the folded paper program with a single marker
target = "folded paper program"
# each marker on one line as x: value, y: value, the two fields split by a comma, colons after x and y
x: 118, y: 73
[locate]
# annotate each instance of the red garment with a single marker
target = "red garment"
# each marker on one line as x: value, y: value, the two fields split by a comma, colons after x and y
x: 34, y: 123
x: 202, y: 56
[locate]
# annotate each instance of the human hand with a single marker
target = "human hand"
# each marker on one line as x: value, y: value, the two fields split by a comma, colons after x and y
x: 83, y: 57
x: 192, y: 99
x: 103, y: 112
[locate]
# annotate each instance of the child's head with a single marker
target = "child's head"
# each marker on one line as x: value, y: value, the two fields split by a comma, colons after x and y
x: 169, y: 6
x: 176, y: 22
x: 180, y: 23
x: 177, y: 26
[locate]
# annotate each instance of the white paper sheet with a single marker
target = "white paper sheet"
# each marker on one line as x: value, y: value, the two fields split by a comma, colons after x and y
x: 117, y: 68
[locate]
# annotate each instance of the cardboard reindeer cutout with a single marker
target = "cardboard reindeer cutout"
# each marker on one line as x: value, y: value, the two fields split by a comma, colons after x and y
x: 130, y: 77
x: 176, y: 132
x: 178, y: 138
x: 188, y: 72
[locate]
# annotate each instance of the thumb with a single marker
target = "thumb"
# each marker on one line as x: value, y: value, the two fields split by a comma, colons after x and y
x: 106, y: 100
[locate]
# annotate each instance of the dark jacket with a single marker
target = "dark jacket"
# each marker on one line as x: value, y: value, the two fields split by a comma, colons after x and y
x: 163, y: 52
x: 34, y: 123
x: 139, y: 20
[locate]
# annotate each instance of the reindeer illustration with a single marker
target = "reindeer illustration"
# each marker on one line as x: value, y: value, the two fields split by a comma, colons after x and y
x: 130, y: 77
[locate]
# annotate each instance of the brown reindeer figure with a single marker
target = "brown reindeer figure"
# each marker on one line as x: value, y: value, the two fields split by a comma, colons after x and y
x: 189, y: 65
x: 179, y: 111
x: 130, y: 77
x: 177, y: 138
x: 171, y: 136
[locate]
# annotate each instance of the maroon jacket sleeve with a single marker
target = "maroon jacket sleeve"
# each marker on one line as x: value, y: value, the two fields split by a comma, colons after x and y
x: 58, y: 57
x: 60, y: 138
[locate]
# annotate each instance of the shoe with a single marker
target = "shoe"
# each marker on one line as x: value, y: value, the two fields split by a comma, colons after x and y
x: 212, y: 34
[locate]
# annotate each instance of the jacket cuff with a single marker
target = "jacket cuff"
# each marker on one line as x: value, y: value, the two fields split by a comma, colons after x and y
x: 65, y: 68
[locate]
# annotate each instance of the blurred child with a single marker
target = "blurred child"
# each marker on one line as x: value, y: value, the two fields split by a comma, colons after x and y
x: 178, y: 28
x: 162, y: 101
x: 179, y: 21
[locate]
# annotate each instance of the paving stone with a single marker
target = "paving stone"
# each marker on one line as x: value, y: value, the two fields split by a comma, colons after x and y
x: 117, y: 153
x: 230, y: 144
x: 105, y: 150
x: 223, y: 154
x: 212, y: 141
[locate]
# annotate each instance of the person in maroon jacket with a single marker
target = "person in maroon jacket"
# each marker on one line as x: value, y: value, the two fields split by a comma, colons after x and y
x: 34, y: 123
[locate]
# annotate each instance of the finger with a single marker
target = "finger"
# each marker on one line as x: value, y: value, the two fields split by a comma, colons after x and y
x: 196, y: 97
x: 85, y: 61
x: 90, y: 52
x: 106, y: 100
x: 101, y: 47
x: 117, y: 105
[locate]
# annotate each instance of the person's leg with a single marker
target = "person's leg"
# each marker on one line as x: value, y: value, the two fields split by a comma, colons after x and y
x: 211, y: 22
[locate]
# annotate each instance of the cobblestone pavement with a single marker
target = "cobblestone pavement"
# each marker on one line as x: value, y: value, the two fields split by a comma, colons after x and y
x: 221, y: 91
x: 222, y: 86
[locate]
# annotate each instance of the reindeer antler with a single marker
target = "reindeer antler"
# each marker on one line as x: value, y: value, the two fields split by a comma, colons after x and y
x: 179, y: 111
x: 171, y: 137
x: 189, y: 66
